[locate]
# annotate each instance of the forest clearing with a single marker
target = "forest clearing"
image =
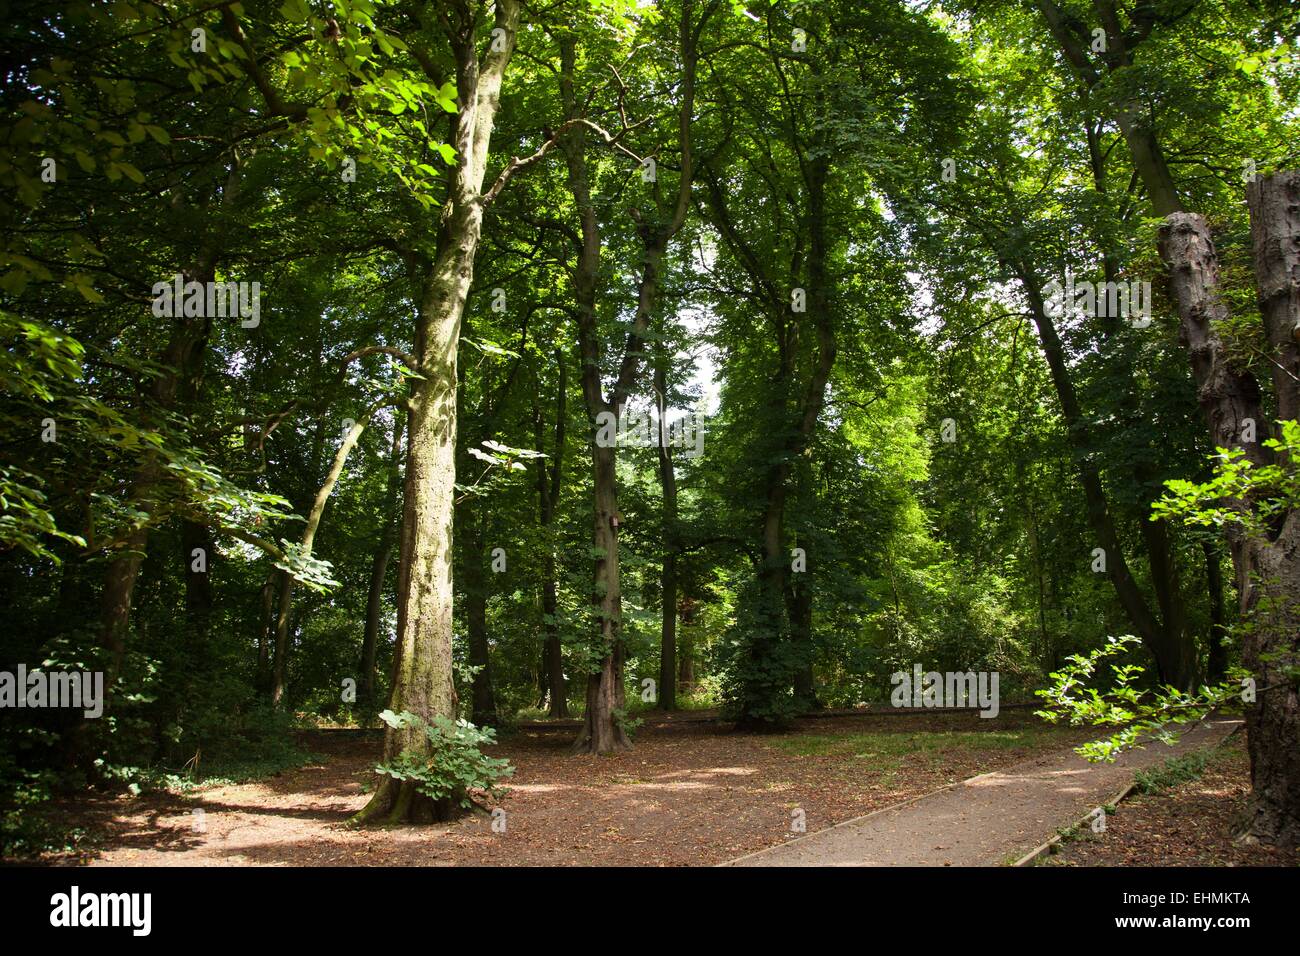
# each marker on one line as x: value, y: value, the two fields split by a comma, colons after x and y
x: 691, y: 793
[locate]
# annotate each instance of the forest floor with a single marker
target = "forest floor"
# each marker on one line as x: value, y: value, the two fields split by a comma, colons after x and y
x: 689, y: 793
x: 991, y: 819
x: 1190, y: 823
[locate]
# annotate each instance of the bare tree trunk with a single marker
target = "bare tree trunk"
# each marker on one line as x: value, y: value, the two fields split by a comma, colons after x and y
x: 602, y: 730
x: 280, y: 644
x: 686, y: 661
x: 775, y: 674
x: 1176, y: 656
x: 374, y: 611
x: 279, y: 676
x: 1271, y: 650
x: 1168, y: 655
x: 181, y: 358
x: 182, y: 368
x: 423, y: 682
x: 557, y: 687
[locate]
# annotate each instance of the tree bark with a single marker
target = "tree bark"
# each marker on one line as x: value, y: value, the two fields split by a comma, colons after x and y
x: 178, y: 380
x: 1176, y: 663
x: 686, y: 660
x: 602, y: 727
x: 180, y: 359
x: 483, y: 705
x: 1271, y: 650
x: 799, y: 602
x: 1170, y: 655
x: 775, y: 627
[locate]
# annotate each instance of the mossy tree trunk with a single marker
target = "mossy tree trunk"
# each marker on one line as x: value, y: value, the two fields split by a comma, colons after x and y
x: 423, y: 680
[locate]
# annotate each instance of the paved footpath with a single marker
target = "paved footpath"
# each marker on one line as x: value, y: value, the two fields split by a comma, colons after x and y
x: 988, y: 820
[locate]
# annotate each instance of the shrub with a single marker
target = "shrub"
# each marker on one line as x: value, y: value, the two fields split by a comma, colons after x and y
x: 454, y: 767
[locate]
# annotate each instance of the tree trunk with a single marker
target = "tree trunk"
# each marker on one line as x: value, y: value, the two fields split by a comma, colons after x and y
x: 1217, y: 664
x: 182, y: 369
x: 483, y: 701
x: 181, y: 358
x: 686, y: 661
x: 768, y: 677
x: 1271, y: 649
x: 423, y: 681
x: 279, y: 677
x: 775, y: 675
x: 602, y: 730
x: 799, y: 601
x: 552, y: 681
x: 667, y: 690
x: 265, y: 633
x: 1169, y: 658
x: 280, y: 645
x: 1176, y: 654
x: 557, y: 688
x: 1267, y: 567
x: 374, y: 611
x: 602, y: 727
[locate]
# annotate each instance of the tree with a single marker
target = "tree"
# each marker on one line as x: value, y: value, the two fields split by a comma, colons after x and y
x: 603, y: 730
x: 424, y: 684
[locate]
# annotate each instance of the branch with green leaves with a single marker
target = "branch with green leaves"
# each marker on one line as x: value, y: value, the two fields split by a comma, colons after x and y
x: 1137, y: 716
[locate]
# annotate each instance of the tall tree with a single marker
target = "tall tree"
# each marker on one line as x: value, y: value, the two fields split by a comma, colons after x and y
x: 603, y: 730
x: 423, y: 681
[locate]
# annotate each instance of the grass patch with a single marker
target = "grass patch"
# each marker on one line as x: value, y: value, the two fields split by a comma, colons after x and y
x: 1172, y: 772
x: 891, y: 748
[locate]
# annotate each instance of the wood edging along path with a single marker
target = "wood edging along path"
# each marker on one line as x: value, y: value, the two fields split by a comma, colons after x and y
x: 1037, y: 853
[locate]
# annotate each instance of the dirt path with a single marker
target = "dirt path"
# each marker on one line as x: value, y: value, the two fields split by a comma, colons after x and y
x: 984, y: 821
